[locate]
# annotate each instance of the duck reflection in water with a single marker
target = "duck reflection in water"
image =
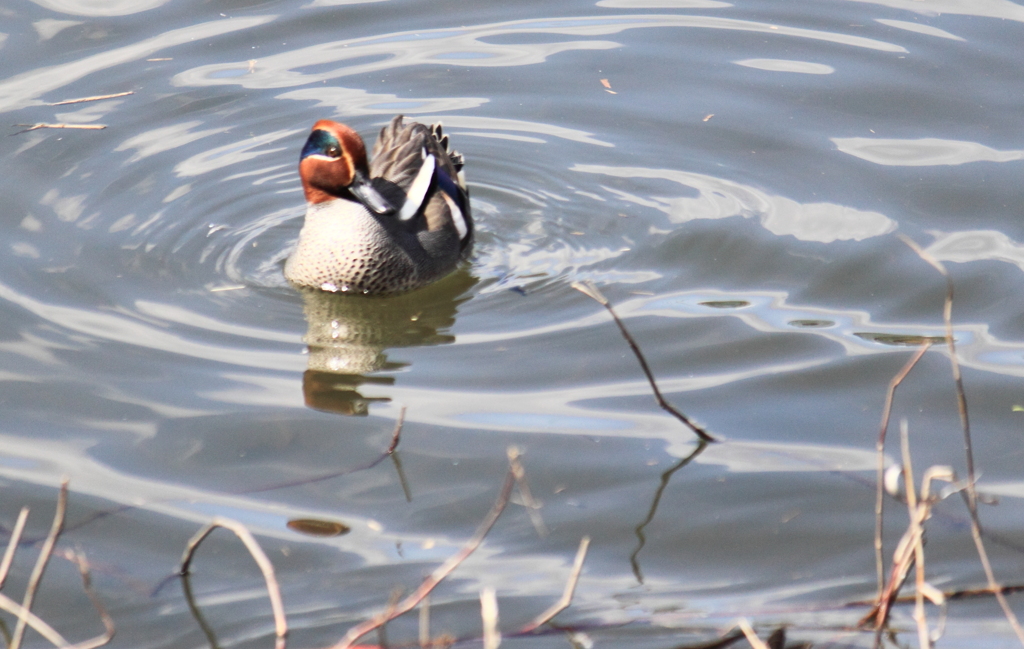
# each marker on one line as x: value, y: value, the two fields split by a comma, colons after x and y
x: 348, y: 336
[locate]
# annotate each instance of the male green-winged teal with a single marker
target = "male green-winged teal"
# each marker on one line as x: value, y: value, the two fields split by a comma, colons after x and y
x: 395, y: 224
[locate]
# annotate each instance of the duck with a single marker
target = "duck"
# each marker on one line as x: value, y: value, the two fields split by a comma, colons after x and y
x: 390, y: 225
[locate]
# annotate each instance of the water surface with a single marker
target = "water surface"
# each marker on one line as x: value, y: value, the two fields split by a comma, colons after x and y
x: 732, y: 175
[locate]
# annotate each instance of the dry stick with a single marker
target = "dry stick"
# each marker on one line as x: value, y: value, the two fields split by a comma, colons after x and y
x: 591, y: 291
x: 570, y: 588
x: 34, y: 621
x: 79, y: 559
x: 880, y: 448
x: 396, y: 433
x: 972, y: 494
x: 40, y: 567
x: 81, y: 127
x: 246, y: 537
x: 524, y: 491
x: 96, y: 98
x: 391, y: 452
x: 748, y: 631
x: 489, y: 616
x: 425, y: 622
x: 440, y: 572
x: 12, y: 545
x: 916, y: 536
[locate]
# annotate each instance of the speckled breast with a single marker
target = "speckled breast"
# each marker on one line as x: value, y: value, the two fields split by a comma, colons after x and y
x: 343, y: 248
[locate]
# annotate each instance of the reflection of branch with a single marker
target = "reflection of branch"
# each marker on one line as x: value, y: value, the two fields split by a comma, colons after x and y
x: 40, y: 567
x: 591, y: 291
x: 880, y: 449
x: 197, y: 615
x: 244, y: 535
x: 665, y: 477
x: 439, y: 574
x: 971, y: 494
x: 389, y: 451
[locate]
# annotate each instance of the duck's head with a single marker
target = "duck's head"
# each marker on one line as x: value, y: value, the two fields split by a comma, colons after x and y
x: 333, y: 165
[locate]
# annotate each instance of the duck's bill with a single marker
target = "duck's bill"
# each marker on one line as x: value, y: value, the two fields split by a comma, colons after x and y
x: 370, y: 197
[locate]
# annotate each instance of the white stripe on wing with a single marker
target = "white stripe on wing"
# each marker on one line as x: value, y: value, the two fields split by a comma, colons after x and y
x: 418, y: 189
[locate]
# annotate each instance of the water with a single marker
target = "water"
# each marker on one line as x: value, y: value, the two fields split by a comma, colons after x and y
x: 731, y: 175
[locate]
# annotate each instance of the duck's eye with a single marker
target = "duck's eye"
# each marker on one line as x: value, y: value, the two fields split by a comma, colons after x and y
x: 333, y: 151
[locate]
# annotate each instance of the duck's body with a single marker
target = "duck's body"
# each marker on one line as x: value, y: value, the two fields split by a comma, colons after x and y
x: 396, y: 224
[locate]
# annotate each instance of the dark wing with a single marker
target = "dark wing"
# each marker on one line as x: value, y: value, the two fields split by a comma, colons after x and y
x: 398, y: 157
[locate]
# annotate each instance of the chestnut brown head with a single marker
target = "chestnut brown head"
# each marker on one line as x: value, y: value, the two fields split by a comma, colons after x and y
x: 333, y: 165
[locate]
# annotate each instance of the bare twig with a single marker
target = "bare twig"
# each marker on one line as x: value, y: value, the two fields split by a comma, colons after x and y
x: 34, y: 621
x: 489, y: 616
x: 916, y: 532
x: 524, y: 491
x: 244, y: 535
x: 81, y: 127
x: 970, y: 492
x: 396, y: 434
x: 96, y: 98
x: 78, y: 558
x: 880, y: 448
x: 591, y: 291
x: 44, y: 557
x: 12, y: 545
x: 440, y: 572
x: 570, y: 588
x: 748, y: 631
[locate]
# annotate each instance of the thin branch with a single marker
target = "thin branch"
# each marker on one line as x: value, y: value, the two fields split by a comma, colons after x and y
x: 396, y: 433
x: 441, y: 571
x: 34, y: 621
x: 916, y: 538
x: 591, y: 291
x: 244, y: 535
x: 748, y: 631
x: 971, y: 494
x: 81, y: 127
x: 44, y: 557
x: 489, y: 617
x: 96, y: 98
x: 880, y: 448
x: 78, y: 558
x: 570, y: 588
x: 12, y: 545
